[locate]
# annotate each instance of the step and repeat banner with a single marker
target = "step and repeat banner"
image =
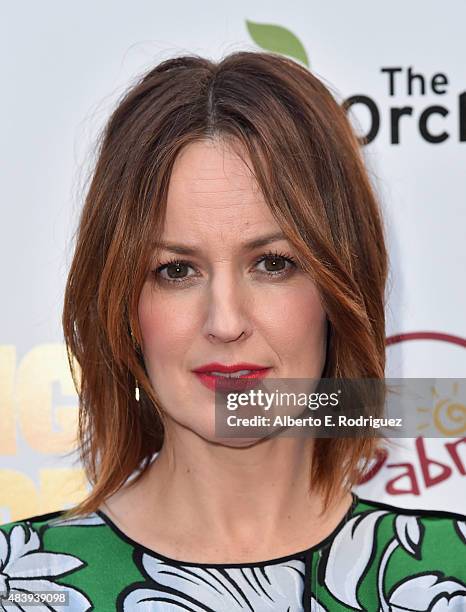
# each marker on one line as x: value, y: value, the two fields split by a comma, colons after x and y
x: 398, y: 69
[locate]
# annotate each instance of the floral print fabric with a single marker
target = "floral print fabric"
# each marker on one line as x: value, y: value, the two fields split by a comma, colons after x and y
x: 379, y: 559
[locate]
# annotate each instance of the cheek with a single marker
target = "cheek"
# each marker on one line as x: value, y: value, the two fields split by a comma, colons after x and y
x: 164, y: 326
x: 294, y: 318
x: 309, y: 318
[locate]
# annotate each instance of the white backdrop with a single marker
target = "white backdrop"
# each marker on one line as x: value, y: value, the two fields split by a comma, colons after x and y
x: 63, y: 67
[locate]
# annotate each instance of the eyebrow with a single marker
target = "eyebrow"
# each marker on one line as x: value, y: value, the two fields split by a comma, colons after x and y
x: 249, y: 245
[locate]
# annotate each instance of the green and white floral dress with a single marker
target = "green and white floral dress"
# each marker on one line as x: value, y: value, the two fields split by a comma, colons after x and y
x: 379, y: 558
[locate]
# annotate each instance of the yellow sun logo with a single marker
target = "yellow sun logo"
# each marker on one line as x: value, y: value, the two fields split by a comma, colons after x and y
x: 448, y: 414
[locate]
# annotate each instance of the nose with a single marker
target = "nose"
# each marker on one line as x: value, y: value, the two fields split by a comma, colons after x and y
x: 227, y: 319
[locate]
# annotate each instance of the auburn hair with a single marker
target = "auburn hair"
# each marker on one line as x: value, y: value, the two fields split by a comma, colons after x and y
x: 308, y: 163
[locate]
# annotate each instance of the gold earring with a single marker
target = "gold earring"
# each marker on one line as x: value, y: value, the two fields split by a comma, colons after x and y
x: 137, y: 393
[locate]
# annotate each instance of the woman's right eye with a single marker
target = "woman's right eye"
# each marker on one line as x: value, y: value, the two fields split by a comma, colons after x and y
x: 173, y: 271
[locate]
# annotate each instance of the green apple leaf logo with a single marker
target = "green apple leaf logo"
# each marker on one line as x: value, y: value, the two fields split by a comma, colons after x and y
x: 277, y: 39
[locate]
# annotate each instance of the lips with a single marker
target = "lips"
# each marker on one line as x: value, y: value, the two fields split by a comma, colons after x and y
x: 235, y: 377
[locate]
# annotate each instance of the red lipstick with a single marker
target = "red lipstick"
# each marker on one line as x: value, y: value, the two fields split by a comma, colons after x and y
x: 249, y: 372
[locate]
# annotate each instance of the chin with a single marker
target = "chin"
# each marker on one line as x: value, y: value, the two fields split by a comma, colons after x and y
x: 236, y: 442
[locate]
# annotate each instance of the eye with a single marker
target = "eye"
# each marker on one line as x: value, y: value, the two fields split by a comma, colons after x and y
x: 276, y: 264
x: 174, y: 271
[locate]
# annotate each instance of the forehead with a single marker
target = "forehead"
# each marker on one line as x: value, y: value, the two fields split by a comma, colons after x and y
x: 211, y: 185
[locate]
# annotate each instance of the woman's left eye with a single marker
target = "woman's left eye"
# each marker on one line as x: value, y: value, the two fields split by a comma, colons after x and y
x: 276, y: 264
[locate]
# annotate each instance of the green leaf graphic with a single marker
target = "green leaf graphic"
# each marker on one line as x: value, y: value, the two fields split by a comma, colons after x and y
x: 277, y: 39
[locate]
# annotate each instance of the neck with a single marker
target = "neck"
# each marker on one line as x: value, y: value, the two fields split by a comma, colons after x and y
x: 235, y: 494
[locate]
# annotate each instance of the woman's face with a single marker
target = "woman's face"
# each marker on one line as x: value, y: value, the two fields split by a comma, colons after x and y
x: 225, y: 301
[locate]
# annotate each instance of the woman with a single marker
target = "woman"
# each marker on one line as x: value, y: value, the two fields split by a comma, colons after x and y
x: 229, y: 227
